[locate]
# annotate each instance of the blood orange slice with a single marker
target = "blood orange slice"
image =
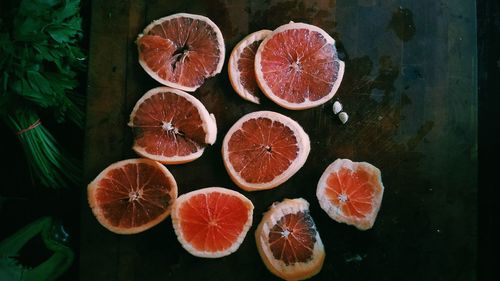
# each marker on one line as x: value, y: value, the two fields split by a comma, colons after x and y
x: 351, y: 192
x: 241, y: 66
x: 297, y: 66
x: 288, y: 241
x: 171, y: 126
x: 264, y: 149
x: 132, y: 195
x: 181, y: 50
x: 212, y: 222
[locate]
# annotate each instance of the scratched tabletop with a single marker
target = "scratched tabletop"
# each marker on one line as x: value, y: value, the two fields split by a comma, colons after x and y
x: 411, y: 95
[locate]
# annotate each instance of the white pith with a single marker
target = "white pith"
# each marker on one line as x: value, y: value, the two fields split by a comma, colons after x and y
x: 98, y: 212
x: 220, y: 40
x: 176, y: 220
x: 335, y: 212
x: 208, y: 123
x: 296, y: 271
x: 267, y: 90
x: 303, y: 145
x: 234, y: 74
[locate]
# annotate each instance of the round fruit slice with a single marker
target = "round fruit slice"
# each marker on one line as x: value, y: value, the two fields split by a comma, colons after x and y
x: 351, y: 192
x: 171, y: 126
x: 288, y: 241
x: 297, y: 66
x: 181, y: 50
x: 132, y: 195
x: 212, y: 222
x: 241, y: 66
x: 264, y: 149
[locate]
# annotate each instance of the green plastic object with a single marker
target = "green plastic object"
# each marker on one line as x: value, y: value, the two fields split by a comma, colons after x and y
x: 54, y: 238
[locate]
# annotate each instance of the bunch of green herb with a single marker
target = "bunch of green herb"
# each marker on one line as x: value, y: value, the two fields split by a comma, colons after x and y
x: 40, y: 60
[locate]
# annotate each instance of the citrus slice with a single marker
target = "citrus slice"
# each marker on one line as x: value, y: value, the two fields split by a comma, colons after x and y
x: 297, y: 66
x: 131, y: 196
x: 212, y: 222
x: 241, y: 66
x: 181, y: 50
x: 351, y: 192
x: 288, y: 241
x: 171, y: 126
x: 264, y: 149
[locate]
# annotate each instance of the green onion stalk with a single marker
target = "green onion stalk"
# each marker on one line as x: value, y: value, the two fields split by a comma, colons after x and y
x: 47, y: 162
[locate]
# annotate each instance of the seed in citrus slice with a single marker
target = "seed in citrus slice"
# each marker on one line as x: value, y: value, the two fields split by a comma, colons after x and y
x: 288, y: 241
x: 297, y: 66
x: 133, y: 195
x: 181, y: 50
x: 212, y: 222
x: 264, y: 149
x: 171, y: 126
x: 241, y: 66
x: 351, y: 192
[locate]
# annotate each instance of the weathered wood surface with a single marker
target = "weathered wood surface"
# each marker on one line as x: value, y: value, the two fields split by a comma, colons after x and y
x: 410, y: 91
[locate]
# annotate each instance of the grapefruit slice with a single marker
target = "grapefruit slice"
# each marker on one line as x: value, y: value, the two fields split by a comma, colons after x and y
x: 241, y: 66
x: 181, y: 50
x: 171, y: 126
x: 288, y: 241
x: 131, y: 196
x: 212, y: 222
x: 351, y: 192
x: 297, y: 66
x: 264, y: 149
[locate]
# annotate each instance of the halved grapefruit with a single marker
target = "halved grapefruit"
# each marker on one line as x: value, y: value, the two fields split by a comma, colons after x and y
x: 171, y: 126
x: 297, y: 66
x: 212, y: 222
x: 181, y: 50
x: 131, y: 196
x: 241, y: 66
x: 351, y: 192
x: 289, y: 242
x: 264, y: 149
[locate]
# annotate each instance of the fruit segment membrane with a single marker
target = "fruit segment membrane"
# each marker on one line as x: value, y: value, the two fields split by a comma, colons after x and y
x: 213, y: 222
x: 246, y: 68
x: 299, y: 65
x: 133, y: 195
x: 181, y: 50
x: 262, y: 149
x: 292, y: 238
x: 352, y: 191
x: 169, y: 125
x: 289, y: 242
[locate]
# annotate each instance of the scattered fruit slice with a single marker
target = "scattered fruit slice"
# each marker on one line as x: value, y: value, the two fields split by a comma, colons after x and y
x: 264, y: 149
x: 131, y: 196
x: 241, y: 66
x: 297, y: 66
x: 288, y: 241
x: 181, y: 50
x: 171, y: 126
x: 212, y: 222
x: 351, y: 192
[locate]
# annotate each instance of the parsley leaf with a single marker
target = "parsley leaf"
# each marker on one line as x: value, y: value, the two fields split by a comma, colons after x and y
x: 39, y: 62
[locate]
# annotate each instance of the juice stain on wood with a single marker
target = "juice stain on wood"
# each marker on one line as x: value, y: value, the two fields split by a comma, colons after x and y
x: 402, y: 24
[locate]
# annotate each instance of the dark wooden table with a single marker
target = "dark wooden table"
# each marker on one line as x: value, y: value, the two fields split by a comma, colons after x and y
x: 409, y: 88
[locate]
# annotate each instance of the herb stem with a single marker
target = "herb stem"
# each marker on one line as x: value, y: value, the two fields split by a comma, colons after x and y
x: 46, y: 161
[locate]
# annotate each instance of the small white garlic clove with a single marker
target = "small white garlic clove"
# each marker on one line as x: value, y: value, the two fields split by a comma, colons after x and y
x: 343, y: 117
x: 337, y: 107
